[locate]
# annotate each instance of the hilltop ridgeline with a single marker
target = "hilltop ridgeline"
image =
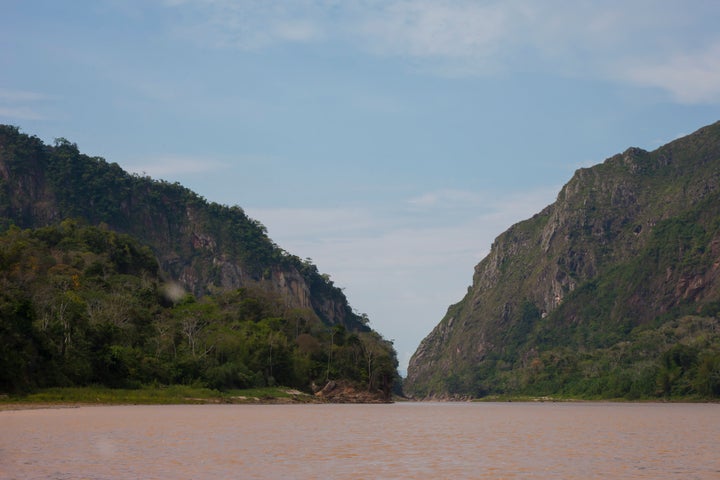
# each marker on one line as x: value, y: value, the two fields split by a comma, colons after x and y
x: 119, y: 279
x: 200, y: 244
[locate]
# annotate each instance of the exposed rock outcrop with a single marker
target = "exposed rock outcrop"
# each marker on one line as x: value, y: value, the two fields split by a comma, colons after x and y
x: 608, y: 224
x: 201, y: 245
x: 344, y: 392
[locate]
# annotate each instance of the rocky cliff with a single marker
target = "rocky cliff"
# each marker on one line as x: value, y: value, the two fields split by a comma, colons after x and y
x: 201, y: 245
x: 628, y: 246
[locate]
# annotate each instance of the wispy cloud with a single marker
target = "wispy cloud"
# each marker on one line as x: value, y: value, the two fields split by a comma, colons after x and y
x: 20, y: 113
x: 692, y: 77
x: 631, y: 42
x: 21, y: 104
x: 20, y: 96
x: 393, y: 234
x: 249, y: 25
x: 409, y: 271
x: 449, y: 29
x: 447, y: 198
x: 640, y: 42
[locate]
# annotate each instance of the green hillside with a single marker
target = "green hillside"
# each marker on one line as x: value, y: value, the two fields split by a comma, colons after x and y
x: 120, y: 280
x: 612, y: 291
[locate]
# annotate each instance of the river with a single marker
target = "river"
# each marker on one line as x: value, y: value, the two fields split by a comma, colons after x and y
x: 403, y: 440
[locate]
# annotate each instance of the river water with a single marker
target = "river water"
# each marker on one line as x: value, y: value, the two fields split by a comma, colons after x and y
x: 402, y: 440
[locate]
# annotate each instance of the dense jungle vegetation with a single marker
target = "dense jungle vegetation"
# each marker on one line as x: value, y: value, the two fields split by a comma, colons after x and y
x: 607, y: 339
x: 611, y: 292
x: 84, y: 305
x: 201, y: 242
x: 119, y: 280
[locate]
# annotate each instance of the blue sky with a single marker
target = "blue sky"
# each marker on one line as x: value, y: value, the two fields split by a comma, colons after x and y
x: 390, y: 141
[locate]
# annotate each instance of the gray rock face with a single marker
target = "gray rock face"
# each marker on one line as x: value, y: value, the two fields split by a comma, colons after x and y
x: 201, y: 245
x: 603, y: 220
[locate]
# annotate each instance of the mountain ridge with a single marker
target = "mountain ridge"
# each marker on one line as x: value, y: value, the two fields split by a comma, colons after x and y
x: 200, y: 244
x: 603, y: 220
x: 120, y: 280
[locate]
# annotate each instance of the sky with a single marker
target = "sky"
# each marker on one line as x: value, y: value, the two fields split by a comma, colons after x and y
x: 389, y: 141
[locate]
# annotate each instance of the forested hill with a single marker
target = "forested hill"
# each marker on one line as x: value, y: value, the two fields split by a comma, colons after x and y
x: 611, y: 291
x: 200, y: 244
x: 121, y: 279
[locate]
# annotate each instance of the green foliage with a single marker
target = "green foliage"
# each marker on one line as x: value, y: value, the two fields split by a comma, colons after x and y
x: 610, y: 292
x: 678, y: 359
x: 182, y: 229
x: 82, y: 305
x: 151, y: 394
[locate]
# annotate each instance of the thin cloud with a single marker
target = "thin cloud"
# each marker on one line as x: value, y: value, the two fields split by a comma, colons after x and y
x: 445, y: 198
x: 639, y: 43
x: 20, y: 113
x: 248, y: 25
x: 690, y: 77
x: 447, y: 29
x: 7, y: 95
x: 630, y: 42
x: 408, y: 271
x: 366, y: 238
x: 314, y: 224
x: 16, y: 104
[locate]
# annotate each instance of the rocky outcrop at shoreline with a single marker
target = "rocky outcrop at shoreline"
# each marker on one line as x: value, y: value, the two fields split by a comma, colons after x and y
x: 344, y: 392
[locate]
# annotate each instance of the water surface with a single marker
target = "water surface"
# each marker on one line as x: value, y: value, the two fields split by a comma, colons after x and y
x: 403, y: 440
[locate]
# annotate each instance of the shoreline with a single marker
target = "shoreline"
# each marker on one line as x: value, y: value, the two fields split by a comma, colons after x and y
x: 307, y: 399
x: 75, y: 397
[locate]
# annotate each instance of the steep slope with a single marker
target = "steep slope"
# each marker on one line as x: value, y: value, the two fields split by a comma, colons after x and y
x: 91, y: 260
x: 202, y: 245
x: 629, y: 247
x: 83, y: 305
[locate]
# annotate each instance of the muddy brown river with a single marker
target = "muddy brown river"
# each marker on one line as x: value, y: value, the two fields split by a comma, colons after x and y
x: 402, y: 440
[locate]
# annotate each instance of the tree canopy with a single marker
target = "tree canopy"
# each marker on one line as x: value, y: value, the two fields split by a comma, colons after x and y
x: 83, y: 305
